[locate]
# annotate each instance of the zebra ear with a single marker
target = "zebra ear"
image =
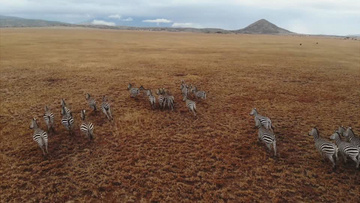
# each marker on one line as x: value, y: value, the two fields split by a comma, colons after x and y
x: 46, y: 108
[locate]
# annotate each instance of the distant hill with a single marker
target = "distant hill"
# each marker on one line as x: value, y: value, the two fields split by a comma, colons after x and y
x: 7, y: 21
x: 263, y: 27
x: 259, y: 27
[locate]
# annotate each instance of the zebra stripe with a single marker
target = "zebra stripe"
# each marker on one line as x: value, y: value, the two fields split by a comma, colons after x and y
x: 261, y: 120
x: 91, y: 101
x: 191, y: 105
x: 86, y: 127
x: 105, y: 106
x: 268, y: 137
x: 326, y: 148
x: 346, y: 149
x: 49, y: 118
x: 198, y: 94
x: 40, y: 136
x: 352, y: 138
x: 68, y: 122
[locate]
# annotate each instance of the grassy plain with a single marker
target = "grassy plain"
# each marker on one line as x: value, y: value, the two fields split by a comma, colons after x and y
x: 153, y: 155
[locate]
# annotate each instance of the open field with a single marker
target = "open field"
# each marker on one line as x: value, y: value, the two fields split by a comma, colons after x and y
x: 152, y: 155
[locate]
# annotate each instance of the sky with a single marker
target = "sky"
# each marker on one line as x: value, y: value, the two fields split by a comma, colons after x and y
x: 332, y: 17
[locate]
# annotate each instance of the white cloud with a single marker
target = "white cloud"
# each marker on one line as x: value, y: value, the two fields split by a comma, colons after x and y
x: 127, y: 19
x: 186, y: 25
x: 159, y: 20
x: 116, y: 16
x: 102, y: 22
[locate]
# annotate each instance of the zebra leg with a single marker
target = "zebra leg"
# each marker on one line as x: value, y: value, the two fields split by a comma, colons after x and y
x: 330, y: 157
x: 42, y: 149
x: 274, y: 145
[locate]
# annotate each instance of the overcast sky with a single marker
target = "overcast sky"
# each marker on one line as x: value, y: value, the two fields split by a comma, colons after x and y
x: 338, y: 17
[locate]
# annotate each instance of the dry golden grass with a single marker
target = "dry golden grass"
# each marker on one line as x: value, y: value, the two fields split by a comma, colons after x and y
x: 147, y: 155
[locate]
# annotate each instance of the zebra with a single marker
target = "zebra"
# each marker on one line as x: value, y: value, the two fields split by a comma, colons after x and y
x: 64, y: 109
x: 49, y: 119
x: 351, y: 137
x: 39, y: 136
x: 191, y: 105
x: 261, y: 120
x: 67, y: 119
x: 152, y: 99
x: 347, y: 149
x: 198, y: 94
x: 165, y: 99
x: 268, y: 137
x: 86, y: 127
x: 105, y: 106
x: 91, y: 101
x: 326, y: 149
x: 184, y: 90
x: 170, y: 101
x: 182, y: 85
x: 133, y: 91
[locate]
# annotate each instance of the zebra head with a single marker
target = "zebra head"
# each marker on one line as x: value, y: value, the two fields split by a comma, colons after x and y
x: 63, y: 104
x: 33, y: 124
x: 83, y: 115
x: 253, y: 112
x: 314, y: 132
x: 87, y: 96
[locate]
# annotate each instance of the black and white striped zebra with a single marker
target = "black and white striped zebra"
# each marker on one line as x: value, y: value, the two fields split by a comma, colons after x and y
x: 346, y: 149
x: 134, y: 92
x: 351, y: 137
x: 49, y: 119
x: 165, y: 99
x: 268, y: 137
x: 326, y: 148
x: 65, y: 109
x: 184, y: 90
x: 91, y: 101
x: 39, y: 136
x: 67, y: 120
x: 152, y: 99
x: 191, y: 105
x: 86, y: 127
x: 197, y: 93
x: 170, y: 101
x: 261, y: 120
x: 105, y: 107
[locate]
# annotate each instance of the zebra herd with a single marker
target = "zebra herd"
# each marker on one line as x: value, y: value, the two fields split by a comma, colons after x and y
x: 346, y: 142
x: 348, y: 146
x: 87, y: 128
x: 165, y: 99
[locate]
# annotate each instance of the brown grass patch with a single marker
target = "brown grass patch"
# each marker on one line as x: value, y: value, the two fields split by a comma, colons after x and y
x: 152, y: 155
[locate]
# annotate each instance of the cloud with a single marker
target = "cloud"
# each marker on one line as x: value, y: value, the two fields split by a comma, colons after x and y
x: 159, y: 20
x: 102, y: 22
x: 116, y: 16
x: 186, y: 25
x: 127, y: 19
